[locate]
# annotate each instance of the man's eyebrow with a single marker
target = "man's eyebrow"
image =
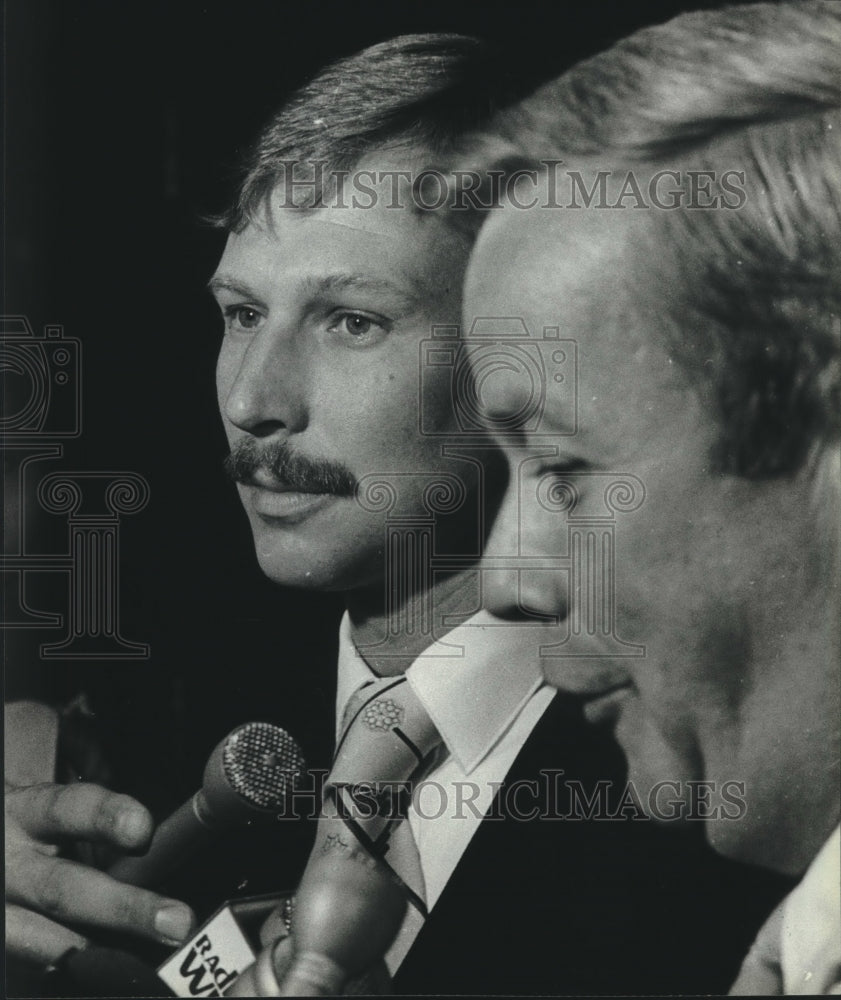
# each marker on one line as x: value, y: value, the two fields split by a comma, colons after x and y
x: 225, y: 283
x: 409, y: 295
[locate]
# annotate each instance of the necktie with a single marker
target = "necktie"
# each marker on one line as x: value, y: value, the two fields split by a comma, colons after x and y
x: 389, y: 740
x: 364, y: 870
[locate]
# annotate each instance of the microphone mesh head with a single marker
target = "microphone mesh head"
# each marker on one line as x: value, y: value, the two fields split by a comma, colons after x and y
x: 262, y: 763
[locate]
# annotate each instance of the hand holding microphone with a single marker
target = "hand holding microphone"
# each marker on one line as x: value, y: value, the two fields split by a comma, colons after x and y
x: 247, y: 777
x: 48, y: 896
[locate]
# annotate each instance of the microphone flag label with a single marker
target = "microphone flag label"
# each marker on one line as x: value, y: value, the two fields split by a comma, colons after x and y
x: 210, y: 962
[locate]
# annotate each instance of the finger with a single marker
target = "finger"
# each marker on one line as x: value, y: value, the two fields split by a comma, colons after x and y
x: 35, y: 938
x: 274, y: 928
x: 82, y: 810
x: 69, y: 892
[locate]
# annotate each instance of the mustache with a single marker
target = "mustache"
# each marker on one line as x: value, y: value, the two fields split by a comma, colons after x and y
x: 299, y: 473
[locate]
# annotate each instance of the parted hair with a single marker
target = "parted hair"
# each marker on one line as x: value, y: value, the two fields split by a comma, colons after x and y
x: 421, y: 92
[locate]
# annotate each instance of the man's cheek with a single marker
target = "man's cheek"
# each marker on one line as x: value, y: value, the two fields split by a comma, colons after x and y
x: 635, y: 620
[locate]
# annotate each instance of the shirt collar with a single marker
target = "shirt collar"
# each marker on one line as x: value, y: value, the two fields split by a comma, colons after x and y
x: 474, y: 683
x: 353, y: 671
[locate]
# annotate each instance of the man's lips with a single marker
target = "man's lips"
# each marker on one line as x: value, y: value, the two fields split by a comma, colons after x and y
x: 273, y: 499
x: 605, y: 705
x: 262, y: 480
x: 600, y: 692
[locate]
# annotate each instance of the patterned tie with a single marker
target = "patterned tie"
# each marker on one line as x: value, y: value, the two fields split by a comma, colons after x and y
x: 363, y: 883
x: 387, y: 740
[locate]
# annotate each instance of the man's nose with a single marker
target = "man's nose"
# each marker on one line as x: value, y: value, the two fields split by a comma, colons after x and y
x: 267, y: 383
x: 521, y: 578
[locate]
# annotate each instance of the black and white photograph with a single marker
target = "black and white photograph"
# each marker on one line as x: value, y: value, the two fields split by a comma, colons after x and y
x: 422, y: 498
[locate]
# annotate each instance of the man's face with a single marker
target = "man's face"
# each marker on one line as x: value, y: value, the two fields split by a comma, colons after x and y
x: 318, y: 380
x: 716, y: 579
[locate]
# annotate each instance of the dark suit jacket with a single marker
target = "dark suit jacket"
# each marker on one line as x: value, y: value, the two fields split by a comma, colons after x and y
x: 542, y: 906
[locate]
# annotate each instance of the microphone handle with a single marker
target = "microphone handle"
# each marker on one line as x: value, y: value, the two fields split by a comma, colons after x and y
x: 188, y: 829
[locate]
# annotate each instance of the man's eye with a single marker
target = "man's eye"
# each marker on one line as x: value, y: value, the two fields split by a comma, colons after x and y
x: 356, y: 325
x: 242, y: 317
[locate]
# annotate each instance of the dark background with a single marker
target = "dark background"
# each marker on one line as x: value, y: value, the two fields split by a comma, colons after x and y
x: 123, y: 124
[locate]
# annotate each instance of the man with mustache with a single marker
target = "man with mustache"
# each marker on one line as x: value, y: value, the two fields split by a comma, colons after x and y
x: 331, y: 284
x: 708, y: 337
x: 280, y: 462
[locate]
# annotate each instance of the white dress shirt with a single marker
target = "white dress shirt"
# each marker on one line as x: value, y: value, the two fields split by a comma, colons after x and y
x: 811, y: 928
x: 798, y: 948
x: 485, y: 696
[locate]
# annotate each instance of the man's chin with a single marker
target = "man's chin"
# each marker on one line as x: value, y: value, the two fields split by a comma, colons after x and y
x: 664, y: 800
x: 310, y: 563
x: 675, y: 795
x: 661, y: 776
x: 289, y: 572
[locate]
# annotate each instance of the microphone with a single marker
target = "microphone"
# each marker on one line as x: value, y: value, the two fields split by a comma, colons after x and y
x: 348, y: 910
x: 248, y: 776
